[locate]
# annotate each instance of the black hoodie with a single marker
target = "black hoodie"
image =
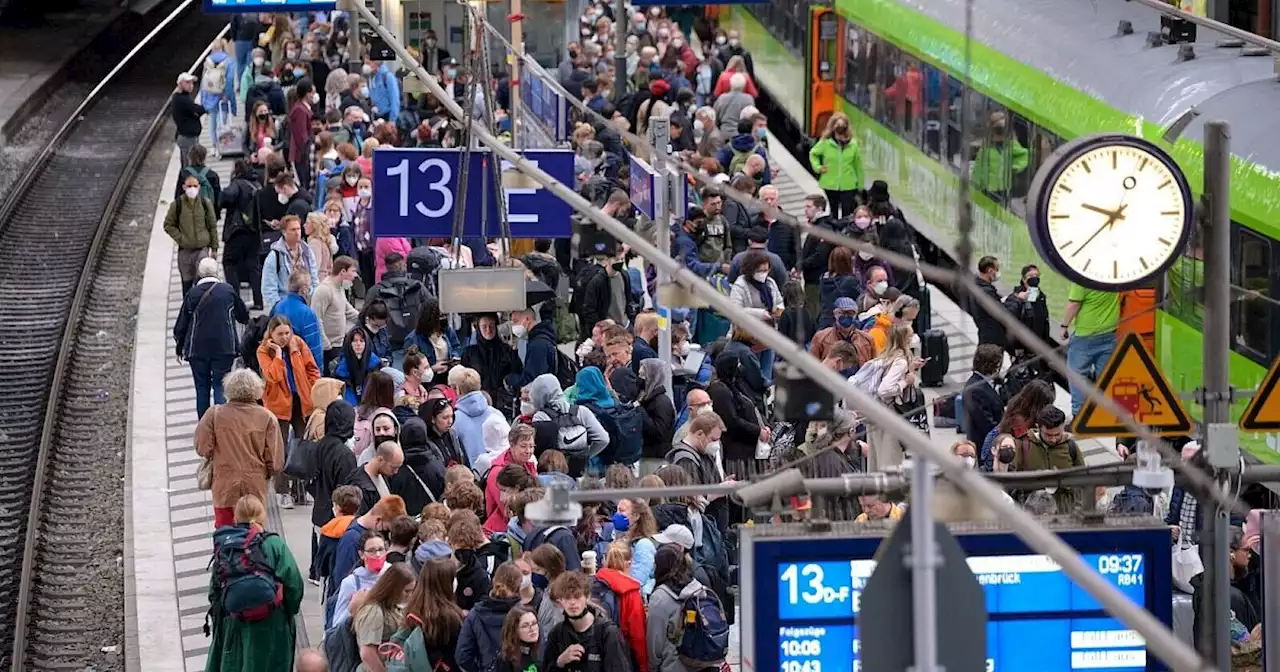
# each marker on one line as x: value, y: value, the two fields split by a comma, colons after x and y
x: 605, y: 648
x: 423, y: 465
x: 335, y: 460
x: 473, y: 580
x: 481, y: 637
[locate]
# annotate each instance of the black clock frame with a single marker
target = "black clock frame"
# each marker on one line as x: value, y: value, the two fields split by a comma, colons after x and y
x: 1052, y: 169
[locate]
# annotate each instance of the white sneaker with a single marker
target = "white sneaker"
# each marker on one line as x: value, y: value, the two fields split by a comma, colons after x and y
x: 286, y: 501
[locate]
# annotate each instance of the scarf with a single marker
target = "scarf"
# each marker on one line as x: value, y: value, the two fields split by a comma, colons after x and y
x: 766, y: 296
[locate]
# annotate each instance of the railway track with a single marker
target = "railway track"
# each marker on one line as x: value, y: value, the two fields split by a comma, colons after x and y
x: 68, y: 291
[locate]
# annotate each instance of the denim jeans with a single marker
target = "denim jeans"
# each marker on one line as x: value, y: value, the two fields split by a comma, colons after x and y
x: 1087, y: 356
x: 208, y: 373
x: 243, y: 49
x: 766, y: 365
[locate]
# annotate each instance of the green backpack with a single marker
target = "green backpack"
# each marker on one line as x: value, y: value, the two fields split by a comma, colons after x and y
x: 406, y: 651
x: 565, y: 321
x: 739, y: 161
x: 202, y: 174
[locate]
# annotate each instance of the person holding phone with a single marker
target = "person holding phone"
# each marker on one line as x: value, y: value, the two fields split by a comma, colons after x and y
x: 1028, y: 303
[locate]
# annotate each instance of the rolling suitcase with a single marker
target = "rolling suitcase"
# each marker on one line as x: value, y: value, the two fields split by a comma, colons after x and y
x: 924, y: 320
x: 937, y: 355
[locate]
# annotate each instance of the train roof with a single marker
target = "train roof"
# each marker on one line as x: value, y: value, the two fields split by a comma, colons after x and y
x: 1078, y: 43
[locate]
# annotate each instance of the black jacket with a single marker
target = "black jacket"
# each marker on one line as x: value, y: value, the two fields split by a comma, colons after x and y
x: 591, y: 297
x: 539, y: 356
x: 1033, y: 314
x: 494, y: 361
x: 659, y: 423
x: 741, y: 423
x: 369, y: 495
x: 740, y: 219
x: 404, y: 297
x: 186, y: 115
x: 544, y: 267
x: 989, y: 330
x: 701, y: 467
x: 605, y: 648
x: 423, y: 465
x: 237, y: 201
x: 983, y: 408
x: 334, y: 458
x: 481, y: 637
x: 473, y: 580
x: 815, y: 252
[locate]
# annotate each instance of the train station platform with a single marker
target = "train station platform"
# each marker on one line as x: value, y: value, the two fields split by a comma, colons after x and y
x: 35, y: 59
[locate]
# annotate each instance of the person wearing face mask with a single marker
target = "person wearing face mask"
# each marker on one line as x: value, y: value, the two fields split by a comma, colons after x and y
x: 302, y: 99
x: 587, y: 640
x: 876, y: 287
x: 384, y: 91
x: 981, y: 403
x: 240, y: 256
x: 696, y: 452
x: 843, y: 330
x: 600, y: 290
x: 540, y: 353
x: 192, y: 223
x: 1000, y: 159
x: 838, y: 452
x: 1028, y: 303
x: 838, y: 162
x: 989, y: 329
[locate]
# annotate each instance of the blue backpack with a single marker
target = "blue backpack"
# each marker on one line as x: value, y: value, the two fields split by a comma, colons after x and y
x: 604, y: 596
x: 247, y: 585
x: 629, y: 441
x: 704, y: 639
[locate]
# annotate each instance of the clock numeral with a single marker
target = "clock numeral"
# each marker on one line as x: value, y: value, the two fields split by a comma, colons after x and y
x: 1114, y: 158
x: 1165, y: 184
x: 1171, y: 212
x: 1143, y: 262
x: 1143, y: 164
x: 1086, y: 264
x: 1085, y: 165
x: 1059, y: 216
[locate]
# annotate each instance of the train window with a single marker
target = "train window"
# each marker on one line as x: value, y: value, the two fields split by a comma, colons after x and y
x: 955, y: 93
x: 1018, y: 165
x: 903, y: 98
x: 935, y: 111
x: 885, y: 76
x: 1184, y: 284
x: 861, y: 57
x: 1251, y: 308
x: 995, y: 152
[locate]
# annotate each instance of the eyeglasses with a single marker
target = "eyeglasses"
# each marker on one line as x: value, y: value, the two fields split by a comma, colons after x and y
x: 375, y: 551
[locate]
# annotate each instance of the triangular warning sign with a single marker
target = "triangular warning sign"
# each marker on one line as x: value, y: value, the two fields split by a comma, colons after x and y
x: 1134, y: 381
x: 1263, y: 412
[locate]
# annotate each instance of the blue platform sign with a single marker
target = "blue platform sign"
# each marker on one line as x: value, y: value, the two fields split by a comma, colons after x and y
x: 415, y: 193
x: 547, y: 107
x: 644, y: 188
x: 269, y: 6
x: 805, y: 599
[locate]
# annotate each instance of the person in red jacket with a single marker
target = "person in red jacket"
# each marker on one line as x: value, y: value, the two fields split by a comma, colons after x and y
x: 616, y: 574
x: 520, y: 452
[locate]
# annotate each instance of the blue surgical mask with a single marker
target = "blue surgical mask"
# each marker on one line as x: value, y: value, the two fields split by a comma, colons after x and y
x: 845, y: 321
x: 364, y: 92
x: 298, y: 72
x: 451, y: 72
x: 620, y: 522
x: 761, y: 133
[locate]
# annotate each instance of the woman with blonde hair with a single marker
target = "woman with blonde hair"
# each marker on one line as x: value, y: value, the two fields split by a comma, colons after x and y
x: 898, y: 367
x: 735, y: 65
x: 242, y: 441
x: 218, y: 86
x: 334, y: 86
x: 838, y: 163
x: 322, y: 241
x: 377, y: 616
x: 238, y: 645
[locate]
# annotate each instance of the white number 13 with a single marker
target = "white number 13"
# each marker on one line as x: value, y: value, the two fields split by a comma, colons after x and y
x: 439, y: 186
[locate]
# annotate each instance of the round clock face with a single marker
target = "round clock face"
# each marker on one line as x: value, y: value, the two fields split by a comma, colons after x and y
x: 1110, y: 212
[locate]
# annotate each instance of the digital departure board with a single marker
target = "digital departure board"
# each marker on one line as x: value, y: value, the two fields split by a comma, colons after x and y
x: 233, y: 6
x: 805, y: 601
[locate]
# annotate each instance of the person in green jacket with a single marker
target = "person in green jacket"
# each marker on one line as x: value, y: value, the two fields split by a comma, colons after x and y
x: 1051, y: 446
x: 192, y: 223
x: 838, y: 163
x: 999, y: 159
x: 261, y: 646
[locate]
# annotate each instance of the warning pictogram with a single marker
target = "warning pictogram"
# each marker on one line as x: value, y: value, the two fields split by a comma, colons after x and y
x: 1133, y: 381
x: 1263, y: 412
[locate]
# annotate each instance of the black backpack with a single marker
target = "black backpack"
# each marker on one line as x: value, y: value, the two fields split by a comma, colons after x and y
x: 566, y: 370
x: 404, y: 301
x: 423, y: 265
x: 254, y: 332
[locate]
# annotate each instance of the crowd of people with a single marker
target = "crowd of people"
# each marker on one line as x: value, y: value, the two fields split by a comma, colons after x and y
x: 419, y: 438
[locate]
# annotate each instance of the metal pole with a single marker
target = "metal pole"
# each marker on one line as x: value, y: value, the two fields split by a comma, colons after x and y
x: 660, y: 132
x: 1217, y: 26
x: 1270, y: 587
x: 1160, y: 640
x: 1215, y: 610
x: 924, y: 559
x: 517, y: 61
x: 620, y: 23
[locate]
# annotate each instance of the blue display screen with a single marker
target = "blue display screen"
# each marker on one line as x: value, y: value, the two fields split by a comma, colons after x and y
x: 269, y: 5
x: 1038, y: 619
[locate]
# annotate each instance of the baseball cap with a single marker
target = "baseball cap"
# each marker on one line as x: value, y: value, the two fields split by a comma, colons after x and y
x: 186, y: 77
x: 675, y: 534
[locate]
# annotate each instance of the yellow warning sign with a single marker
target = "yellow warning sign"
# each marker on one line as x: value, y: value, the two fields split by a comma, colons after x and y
x: 1133, y: 381
x: 1263, y: 412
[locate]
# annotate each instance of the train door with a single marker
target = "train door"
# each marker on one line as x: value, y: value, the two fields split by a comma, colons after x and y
x: 824, y: 58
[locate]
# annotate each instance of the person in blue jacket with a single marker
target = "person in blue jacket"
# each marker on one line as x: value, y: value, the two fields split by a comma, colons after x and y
x: 294, y: 306
x: 355, y: 364
x: 540, y: 353
x: 384, y: 89
x: 687, y: 237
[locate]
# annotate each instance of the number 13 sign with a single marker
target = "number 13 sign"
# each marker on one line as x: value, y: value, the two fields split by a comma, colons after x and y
x: 415, y: 193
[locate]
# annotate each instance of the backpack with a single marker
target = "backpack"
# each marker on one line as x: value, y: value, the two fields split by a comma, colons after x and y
x: 739, y: 160
x: 202, y: 175
x: 254, y: 332
x: 494, y: 552
x: 214, y: 78
x: 605, y: 596
x: 341, y: 650
x: 868, y: 376
x: 566, y: 370
x: 248, y: 589
x: 704, y: 636
x: 544, y: 537
x: 407, y: 651
x: 629, y: 441
x: 404, y: 301
x: 423, y: 265
x: 566, y: 322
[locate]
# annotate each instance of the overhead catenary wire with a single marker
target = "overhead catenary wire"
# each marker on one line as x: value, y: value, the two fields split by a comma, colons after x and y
x: 1160, y: 640
x: 961, y: 279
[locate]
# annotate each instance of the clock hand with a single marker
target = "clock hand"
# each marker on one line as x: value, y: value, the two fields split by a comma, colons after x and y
x: 1107, y: 225
x: 1109, y: 213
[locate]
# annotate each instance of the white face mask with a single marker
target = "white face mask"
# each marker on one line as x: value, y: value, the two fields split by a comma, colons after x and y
x: 526, y: 408
x: 258, y: 61
x: 191, y: 192
x: 865, y: 256
x: 365, y: 193
x: 519, y: 331
x: 284, y: 200
x: 760, y: 277
x: 713, y: 448
x: 367, y: 69
x: 880, y: 287
x: 315, y: 98
x: 351, y: 443
x: 697, y: 126
x: 969, y: 461
x: 733, y: 41
x: 353, y: 180
x: 720, y: 39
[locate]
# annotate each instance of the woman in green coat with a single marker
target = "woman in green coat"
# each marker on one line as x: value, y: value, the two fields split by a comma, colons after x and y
x: 267, y: 645
x: 838, y: 163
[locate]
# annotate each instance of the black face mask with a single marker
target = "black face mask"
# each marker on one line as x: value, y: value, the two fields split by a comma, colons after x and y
x: 1006, y: 455
x: 617, y: 265
x: 578, y: 616
x: 1033, y: 281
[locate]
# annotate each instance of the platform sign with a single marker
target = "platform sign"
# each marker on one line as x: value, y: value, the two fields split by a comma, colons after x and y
x: 255, y: 6
x: 415, y: 192
x: 646, y: 192
x: 1134, y: 381
x: 1263, y: 412
x: 802, y: 598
